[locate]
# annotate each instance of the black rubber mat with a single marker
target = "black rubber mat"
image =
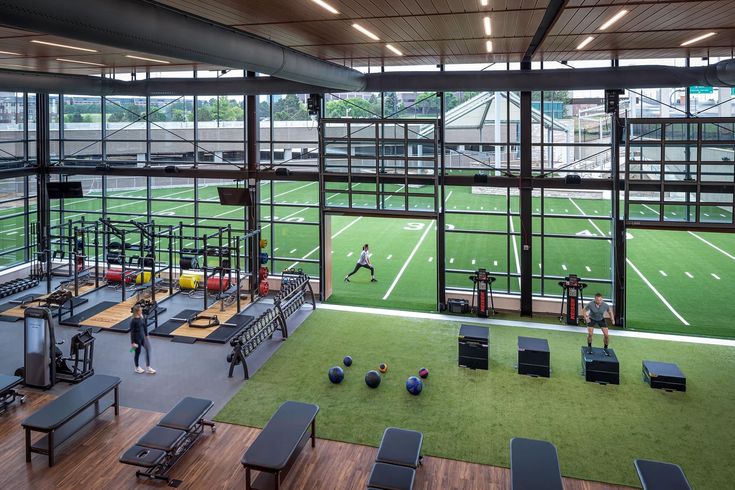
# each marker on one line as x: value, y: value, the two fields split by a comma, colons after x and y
x: 75, y: 320
x: 165, y: 329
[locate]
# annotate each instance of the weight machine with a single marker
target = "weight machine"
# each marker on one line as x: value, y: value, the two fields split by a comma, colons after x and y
x: 572, y: 296
x: 482, y: 286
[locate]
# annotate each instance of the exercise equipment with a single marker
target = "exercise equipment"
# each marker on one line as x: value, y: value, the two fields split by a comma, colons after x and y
x: 261, y: 329
x: 8, y: 394
x: 482, y: 287
x: 188, y: 262
x: 218, y: 283
x: 534, y: 464
x: 44, y: 363
x: 399, y: 456
x: 473, y: 346
x: 414, y: 385
x: 16, y: 286
x: 203, y: 321
x: 600, y: 365
x: 572, y: 296
x: 189, y: 281
x: 533, y: 357
x: 347, y: 361
x: 383, y: 367
x: 372, y: 379
x: 423, y: 373
x: 336, y: 374
x: 664, y: 375
x: 143, y: 277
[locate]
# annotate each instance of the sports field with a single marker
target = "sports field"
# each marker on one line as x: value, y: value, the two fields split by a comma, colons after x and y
x: 675, y: 279
x: 472, y: 415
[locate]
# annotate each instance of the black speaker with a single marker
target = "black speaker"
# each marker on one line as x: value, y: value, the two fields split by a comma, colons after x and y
x: 283, y: 172
x: 480, y: 178
x: 312, y: 104
x: 171, y: 169
x: 573, y: 179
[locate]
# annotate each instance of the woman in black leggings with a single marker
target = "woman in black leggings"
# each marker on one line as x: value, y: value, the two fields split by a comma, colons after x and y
x: 139, y: 340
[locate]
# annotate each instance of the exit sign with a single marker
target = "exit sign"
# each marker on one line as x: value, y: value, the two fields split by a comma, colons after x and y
x: 698, y: 89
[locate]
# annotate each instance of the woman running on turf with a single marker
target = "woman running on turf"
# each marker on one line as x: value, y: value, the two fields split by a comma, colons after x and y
x: 363, y: 261
x: 139, y: 340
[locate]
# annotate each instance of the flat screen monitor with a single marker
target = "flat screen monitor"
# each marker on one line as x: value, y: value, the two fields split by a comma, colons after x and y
x: 61, y: 190
x: 234, y: 196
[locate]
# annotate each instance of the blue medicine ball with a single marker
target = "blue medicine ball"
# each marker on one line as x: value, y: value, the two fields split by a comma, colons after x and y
x: 347, y: 360
x: 414, y: 385
x: 336, y: 375
x: 372, y: 379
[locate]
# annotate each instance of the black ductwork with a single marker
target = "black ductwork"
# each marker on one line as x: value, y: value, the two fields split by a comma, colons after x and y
x: 149, y: 27
x: 720, y: 75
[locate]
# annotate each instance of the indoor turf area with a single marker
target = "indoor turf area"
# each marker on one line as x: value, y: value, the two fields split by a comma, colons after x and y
x: 349, y: 245
x: 471, y: 415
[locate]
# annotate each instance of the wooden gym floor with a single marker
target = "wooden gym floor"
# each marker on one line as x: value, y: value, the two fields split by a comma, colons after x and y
x: 89, y: 459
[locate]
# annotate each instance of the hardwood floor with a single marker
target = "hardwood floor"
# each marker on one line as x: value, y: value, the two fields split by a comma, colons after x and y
x: 90, y: 460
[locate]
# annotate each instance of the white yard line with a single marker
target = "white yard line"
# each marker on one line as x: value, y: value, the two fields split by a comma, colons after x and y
x: 588, y: 219
x: 663, y: 273
x: 564, y: 267
x: 655, y: 291
x: 333, y: 237
x: 715, y: 276
x: 515, y: 250
x: 712, y: 245
x: 408, y: 261
x: 431, y: 259
x: 451, y: 261
x: 289, y: 192
x: 389, y: 257
x: 588, y: 268
x: 689, y: 275
x: 349, y: 254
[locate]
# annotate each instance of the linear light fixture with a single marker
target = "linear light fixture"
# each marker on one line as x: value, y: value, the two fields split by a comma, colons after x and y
x: 10, y: 52
x: 613, y: 19
x: 326, y: 6
x: 585, y: 42
x: 366, y: 32
x: 489, y: 46
x: 394, y: 49
x: 80, y: 62
x: 36, y: 41
x: 146, y: 59
x: 486, y: 24
x: 698, y: 38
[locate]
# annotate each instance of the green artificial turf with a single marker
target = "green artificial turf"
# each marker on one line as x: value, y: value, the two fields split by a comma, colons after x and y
x: 472, y: 415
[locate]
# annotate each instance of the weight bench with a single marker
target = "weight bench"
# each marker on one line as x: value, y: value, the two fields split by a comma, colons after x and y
x: 63, y: 417
x: 398, y: 457
x: 162, y: 446
x: 655, y: 475
x: 534, y: 465
x: 276, y: 448
x: 8, y: 395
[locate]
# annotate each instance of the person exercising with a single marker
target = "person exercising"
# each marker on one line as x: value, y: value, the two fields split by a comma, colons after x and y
x: 363, y: 261
x: 139, y: 340
x: 594, y: 315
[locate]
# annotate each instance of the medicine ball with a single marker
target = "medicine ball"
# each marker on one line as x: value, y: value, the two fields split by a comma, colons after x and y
x: 372, y: 379
x: 383, y: 367
x: 347, y: 361
x: 414, y: 385
x: 336, y: 375
x: 423, y: 373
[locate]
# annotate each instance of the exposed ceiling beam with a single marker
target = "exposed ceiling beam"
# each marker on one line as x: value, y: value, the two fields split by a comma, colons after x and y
x: 149, y: 27
x: 553, y: 11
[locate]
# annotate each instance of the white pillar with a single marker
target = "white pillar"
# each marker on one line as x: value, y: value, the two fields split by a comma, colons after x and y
x: 725, y: 108
x: 497, y: 120
x: 218, y: 157
x: 665, y: 102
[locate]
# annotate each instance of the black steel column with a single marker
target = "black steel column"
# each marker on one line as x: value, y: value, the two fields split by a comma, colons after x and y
x: 526, y: 203
x: 252, y: 215
x: 618, y: 224
x: 441, y: 275
x: 43, y: 156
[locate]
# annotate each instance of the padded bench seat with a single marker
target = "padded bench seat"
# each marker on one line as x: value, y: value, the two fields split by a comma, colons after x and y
x: 391, y: 477
x: 655, y: 475
x: 7, y: 391
x: 162, y: 446
x: 400, y: 447
x: 534, y: 465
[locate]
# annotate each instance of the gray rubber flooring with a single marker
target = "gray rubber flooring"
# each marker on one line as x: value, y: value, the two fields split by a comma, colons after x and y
x: 198, y: 369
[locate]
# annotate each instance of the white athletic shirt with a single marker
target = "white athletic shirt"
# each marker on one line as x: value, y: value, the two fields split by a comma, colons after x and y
x: 364, y: 255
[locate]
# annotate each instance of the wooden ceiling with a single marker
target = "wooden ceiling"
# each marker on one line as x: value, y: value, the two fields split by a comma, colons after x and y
x: 426, y: 31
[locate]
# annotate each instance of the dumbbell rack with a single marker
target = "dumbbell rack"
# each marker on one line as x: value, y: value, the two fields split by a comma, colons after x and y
x: 259, y: 330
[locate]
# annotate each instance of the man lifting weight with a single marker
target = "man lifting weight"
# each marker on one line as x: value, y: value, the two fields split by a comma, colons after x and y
x: 594, y: 315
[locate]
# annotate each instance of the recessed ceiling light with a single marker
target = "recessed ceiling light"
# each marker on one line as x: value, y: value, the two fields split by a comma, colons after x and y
x: 394, y: 49
x: 325, y: 5
x: 63, y: 46
x: 613, y: 19
x: 146, y: 59
x: 698, y: 38
x: 489, y: 46
x: 80, y: 62
x: 366, y: 32
x: 585, y: 42
x: 10, y: 52
x: 486, y: 24
x: 484, y: 3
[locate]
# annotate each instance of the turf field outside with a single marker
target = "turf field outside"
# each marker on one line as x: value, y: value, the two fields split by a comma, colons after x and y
x: 675, y: 279
x: 472, y: 415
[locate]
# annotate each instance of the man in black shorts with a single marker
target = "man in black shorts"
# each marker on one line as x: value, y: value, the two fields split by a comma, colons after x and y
x: 594, y: 315
x: 363, y: 261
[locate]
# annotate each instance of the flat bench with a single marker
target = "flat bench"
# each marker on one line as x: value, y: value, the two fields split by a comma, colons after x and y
x: 534, y: 465
x: 398, y: 457
x: 162, y: 446
x: 63, y: 417
x: 655, y: 475
x: 7, y: 391
x: 276, y: 448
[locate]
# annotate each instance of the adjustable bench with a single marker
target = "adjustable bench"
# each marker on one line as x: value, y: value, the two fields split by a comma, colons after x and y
x: 7, y: 391
x: 398, y: 457
x: 63, y: 417
x: 276, y: 448
x: 655, y: 475
x: 162, y: 446
x: 534, y: 465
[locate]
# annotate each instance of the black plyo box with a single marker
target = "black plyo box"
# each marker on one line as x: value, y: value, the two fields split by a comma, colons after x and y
x: 534, y: 357
x: 473, y: 346
x: 664, y: 375
x: 598, y: 367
